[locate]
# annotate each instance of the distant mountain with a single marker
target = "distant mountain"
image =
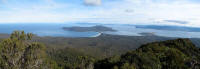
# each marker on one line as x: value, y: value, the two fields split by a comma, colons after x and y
x: 176, y: 21
x: 171, y: 54
x: 170, y: 28
x: 148, y: 34
x: 97, y: 28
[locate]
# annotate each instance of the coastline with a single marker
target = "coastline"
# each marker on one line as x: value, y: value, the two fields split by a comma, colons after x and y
x: 99, y: 34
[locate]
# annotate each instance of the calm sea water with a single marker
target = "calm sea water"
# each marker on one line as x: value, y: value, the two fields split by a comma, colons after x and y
x: 46, y: 30
x: 55, y: 30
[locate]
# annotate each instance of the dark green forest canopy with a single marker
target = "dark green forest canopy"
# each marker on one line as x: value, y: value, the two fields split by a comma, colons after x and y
x: 171, y: 54
x: 102, y: 46
x: 19, y: 51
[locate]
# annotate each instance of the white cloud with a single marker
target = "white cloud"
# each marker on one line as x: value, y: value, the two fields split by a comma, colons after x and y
x: 92, y: 2
x: 108, y: 11
x: 149, y: 12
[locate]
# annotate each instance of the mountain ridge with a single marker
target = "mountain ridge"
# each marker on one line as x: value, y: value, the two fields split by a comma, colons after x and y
x: 170, y: 54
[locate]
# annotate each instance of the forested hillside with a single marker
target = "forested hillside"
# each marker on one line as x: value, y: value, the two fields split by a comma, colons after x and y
x: 19, y: 51
x: 171, y: 54
x: 102, y: 46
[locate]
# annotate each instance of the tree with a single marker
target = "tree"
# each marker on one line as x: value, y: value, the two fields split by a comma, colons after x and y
x: 17, y: 52
x: 171, y: 54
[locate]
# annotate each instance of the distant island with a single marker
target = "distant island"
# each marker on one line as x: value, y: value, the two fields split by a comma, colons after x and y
x: 148, y: 34
x: 169, y: 28
x: 97, y: 28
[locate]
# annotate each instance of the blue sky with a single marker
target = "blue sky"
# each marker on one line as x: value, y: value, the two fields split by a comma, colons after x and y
x: 102, y: 11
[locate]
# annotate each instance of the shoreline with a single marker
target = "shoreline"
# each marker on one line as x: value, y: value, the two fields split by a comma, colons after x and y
x: 99, y: 34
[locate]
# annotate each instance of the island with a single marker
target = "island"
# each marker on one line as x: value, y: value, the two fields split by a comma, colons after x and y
x: 97, y: 28
x: 148, y: 34
x: 169, y: 28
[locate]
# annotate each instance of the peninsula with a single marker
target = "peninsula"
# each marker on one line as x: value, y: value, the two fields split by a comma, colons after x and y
x: 97, y: 28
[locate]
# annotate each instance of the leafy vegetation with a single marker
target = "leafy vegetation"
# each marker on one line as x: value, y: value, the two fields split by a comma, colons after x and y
x: 172, y: 54
x: 69, y: 58
x: 19, y: 51
x: 100, y: 47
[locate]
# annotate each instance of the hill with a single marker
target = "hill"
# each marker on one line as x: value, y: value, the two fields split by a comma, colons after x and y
x: 19, y: 51
x: 102, y: 46
x: 97, y: 28
x: 171, y: 54
x: 170, y: 28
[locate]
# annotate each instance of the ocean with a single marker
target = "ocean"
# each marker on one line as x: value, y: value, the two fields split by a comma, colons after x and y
x: 55, y: 30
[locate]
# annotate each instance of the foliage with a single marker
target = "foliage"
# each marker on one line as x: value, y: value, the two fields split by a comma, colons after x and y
x: 100, y: 47
x: 69, y: 58
x: 18, y: 52
x: 171, y: 54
